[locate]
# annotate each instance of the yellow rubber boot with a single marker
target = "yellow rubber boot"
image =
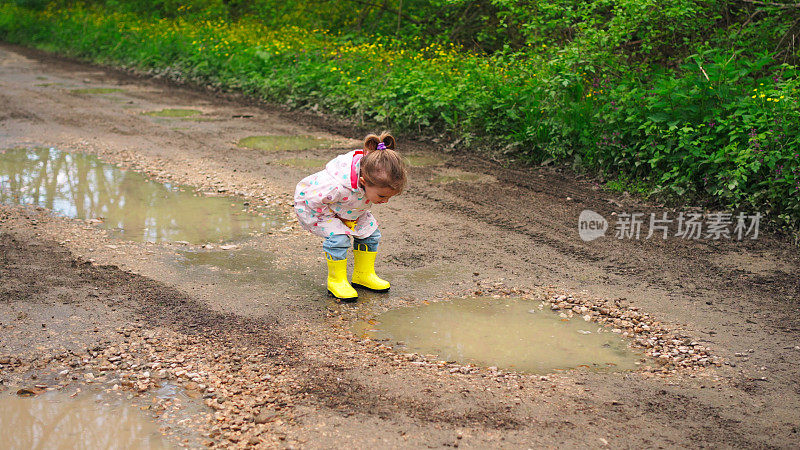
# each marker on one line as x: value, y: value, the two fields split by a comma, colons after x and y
x: 364, y: 271
x: 337, y: 281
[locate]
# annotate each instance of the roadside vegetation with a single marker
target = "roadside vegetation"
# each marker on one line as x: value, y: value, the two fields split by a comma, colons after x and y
x: 692, y: 101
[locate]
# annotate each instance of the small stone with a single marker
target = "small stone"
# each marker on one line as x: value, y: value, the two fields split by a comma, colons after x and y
x: 193, y: 394
x: 29, y: 392
x: 265, y: 417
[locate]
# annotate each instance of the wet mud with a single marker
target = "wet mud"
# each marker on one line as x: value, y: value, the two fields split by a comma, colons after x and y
x: 274, y: 362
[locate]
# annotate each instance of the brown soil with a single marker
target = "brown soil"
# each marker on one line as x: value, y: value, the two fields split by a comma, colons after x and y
x: 68, y: 290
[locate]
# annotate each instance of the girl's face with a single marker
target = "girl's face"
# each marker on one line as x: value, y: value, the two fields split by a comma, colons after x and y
x: 377, y: 194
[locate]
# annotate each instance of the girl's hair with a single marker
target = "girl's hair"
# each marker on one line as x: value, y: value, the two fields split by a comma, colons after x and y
x: 385, y: 167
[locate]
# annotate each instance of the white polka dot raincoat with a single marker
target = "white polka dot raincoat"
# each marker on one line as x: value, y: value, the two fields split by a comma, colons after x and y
x: 322, y: 199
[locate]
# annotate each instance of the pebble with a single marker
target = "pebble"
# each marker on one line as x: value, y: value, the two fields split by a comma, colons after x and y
x: 265, y: 417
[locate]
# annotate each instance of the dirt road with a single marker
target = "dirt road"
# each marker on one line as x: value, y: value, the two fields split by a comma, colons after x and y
x: 273, y: 360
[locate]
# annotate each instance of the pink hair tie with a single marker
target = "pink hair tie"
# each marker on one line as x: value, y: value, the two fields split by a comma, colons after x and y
x: 381, y: 146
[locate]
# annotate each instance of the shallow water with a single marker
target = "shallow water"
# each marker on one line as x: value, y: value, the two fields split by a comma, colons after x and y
x: 244, y: 261
x: 54, y: 420
x: 303, y: 163
x: 126, y: 203
x: 245, y: 266
x: 511, y: 334
x: 173, y: 112
x: 277, y: 143
x: 96, y: 91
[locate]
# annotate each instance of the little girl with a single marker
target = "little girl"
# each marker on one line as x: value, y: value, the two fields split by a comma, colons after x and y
x: 334, y: 204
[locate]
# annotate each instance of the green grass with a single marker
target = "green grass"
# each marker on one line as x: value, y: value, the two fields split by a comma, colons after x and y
x: 624, y: 184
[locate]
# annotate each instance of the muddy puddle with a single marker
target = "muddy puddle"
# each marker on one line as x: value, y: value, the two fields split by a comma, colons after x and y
x: 285, y: 143
x: 97, y: 91
x: 56, y: 420
x: 244, y: 266
x: 126, y: 203
x: 511, y: 334
x: 174, y: 112
x: 304, y: 163
x: 447, y: 176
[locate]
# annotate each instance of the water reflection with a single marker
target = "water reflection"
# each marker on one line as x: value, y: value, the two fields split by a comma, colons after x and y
x: 130, y: 205
x: 56, y: 421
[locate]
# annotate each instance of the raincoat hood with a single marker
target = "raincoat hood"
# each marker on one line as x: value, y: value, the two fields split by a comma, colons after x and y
x: 345, y: 169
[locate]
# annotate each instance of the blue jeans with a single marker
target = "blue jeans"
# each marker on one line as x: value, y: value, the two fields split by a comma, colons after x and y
x: 336, y: 246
